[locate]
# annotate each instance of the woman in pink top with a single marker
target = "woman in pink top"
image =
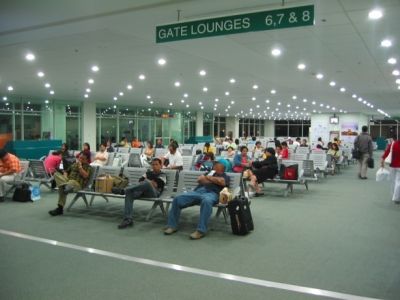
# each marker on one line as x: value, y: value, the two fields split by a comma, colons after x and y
x: 52, y: 162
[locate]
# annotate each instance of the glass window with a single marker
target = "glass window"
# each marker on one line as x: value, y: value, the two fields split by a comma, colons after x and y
x: 73, y: 126
x: 208, y: 124
x: 107, y: 124
x: 32, y: 121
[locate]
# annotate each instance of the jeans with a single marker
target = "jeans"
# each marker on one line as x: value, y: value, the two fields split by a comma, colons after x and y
x: 144, y: 188
x: 4, y: 183
x: 202, y: 197
x: 363, y: 164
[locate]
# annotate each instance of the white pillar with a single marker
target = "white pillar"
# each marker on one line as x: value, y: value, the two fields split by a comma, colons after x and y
x: 232, y: 124
x: 199, y: 123
x: 89, y: 124
x: 269, y: 128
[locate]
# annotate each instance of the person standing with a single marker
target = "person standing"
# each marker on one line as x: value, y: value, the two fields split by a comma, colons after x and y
x: 9, y: 168
x: 394, y: 148
x: 364, y: 145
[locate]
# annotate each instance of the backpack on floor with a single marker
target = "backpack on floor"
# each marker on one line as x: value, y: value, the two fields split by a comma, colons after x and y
x: 22, y: 193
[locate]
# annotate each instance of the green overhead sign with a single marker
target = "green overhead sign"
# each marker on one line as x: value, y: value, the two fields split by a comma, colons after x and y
x: 257, y: 21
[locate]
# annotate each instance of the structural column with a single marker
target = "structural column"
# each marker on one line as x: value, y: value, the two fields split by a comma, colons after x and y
x: 269, y: 128
x: 199, y: 123
x: 232, y: 125
x: 89, y: 124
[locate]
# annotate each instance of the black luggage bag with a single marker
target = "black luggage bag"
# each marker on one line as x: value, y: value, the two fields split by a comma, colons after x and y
x: 22, y: 193
x: 241, y: 220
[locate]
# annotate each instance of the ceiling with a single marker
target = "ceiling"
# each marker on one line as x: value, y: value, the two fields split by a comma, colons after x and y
x: 68, y: 37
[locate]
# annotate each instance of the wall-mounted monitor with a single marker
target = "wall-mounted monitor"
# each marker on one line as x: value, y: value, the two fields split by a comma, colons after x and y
x: 334, y: 120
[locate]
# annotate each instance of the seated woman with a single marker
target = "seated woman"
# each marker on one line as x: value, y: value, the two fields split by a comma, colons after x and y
x: 205, y: 162
x: 52, y: 162
x: 241, y: 161
x: 283, y: 151
x: 230, y: 153
x: 148, y: 154
x: 304, y: 143
x: 208, y: 148
x: 124, y: 143
x: 101, y: 157
x: 136, y: 143
x: 335, y: 155
x: 257, y: 150
x: 263, y: 170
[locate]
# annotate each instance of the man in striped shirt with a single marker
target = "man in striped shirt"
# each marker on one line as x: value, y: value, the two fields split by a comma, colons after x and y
x: 9, y: 168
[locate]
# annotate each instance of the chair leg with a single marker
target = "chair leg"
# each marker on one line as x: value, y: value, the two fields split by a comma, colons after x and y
x: 152, y: 209
x: 306, y: 184
x: 77, y: 196
x: 161, y: 204
x: 225, y: 213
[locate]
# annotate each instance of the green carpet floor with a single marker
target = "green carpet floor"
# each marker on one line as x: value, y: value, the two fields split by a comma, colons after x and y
x: 342, y: 235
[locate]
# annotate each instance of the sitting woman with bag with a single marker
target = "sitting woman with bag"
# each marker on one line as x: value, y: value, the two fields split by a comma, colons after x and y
x: 392, y: 158
x: 241, y: 161
x: 263, y: 170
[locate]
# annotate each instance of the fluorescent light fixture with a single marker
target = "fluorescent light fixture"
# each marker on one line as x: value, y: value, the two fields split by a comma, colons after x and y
x: 30, y: 57
x: 95, y: 68
x: 161, y: 61
x: 276, y: 52
x: 375, y: 14
x: 40, y: 74
x: 386, y: 43
x: 301, y: 66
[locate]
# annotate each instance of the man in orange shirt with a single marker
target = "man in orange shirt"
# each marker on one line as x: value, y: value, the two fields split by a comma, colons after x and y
x: 9, y: 168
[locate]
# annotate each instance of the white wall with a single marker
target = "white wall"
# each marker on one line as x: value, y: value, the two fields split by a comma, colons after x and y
x: 320, y: 125
x: 199, y: 123
x: 232, y: 124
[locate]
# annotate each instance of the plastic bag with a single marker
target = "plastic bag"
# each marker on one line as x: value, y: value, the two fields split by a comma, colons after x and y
x: 35, y: 191
x: 382, y: 174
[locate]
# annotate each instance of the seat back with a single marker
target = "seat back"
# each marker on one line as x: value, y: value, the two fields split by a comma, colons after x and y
x: 304, y: 150
x: 123, y: 149
x: 170, y: 184
x: 24, y: 169
x: 37, y: 169
x: 110, y: 158
x: 124, y: 158
x: 188, y: 180
x: 236, y: 183
x: 134, y: 174
x: 136, y: 150
x: 109, y: 170
x: 93, y: 176
x: 187, y: 162
x: 308, y: 169
x: 134, y: 160
x: 160, y: 152
x: 319, y: 159
x: 300, y: 156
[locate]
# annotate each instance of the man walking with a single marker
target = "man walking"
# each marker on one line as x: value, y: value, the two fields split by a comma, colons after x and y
x: 363, y: 143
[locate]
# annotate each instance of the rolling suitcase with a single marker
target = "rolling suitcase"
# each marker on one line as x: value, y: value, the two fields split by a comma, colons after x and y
x: 241, y: 220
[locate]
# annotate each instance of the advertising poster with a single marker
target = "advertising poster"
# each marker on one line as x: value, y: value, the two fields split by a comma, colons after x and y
x: 349, y: 132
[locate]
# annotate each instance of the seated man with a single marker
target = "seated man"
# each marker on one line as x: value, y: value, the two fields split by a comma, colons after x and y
x: 9, y: 168
x: 150, y: 185
x: 206, y: 195
x: 174, y: 158
x: 101, y: 157
x: 73, y: 180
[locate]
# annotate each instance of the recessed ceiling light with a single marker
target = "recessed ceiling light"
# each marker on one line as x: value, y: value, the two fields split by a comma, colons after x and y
x: 177, y: 84
x: 170, y: 104
x: 301, y: 66
x: 232, y: 80
x: 121, y: 93
x: 40, y: 74
x: 148, y: 97
x: 161, y: 61
x: 4, y: 98
x: 313, y: 103
x: 95, y: 68
x: 375, y: 14
x: 115, y: 98
x: 294, y: 97
x: 10, y: 88
x: 392, y: 61
x: 129, y: 86
x: 354, y: 96
x: 46, y: 101
x: 332, y: 83
x: 278, y: 104
x: 226, y: 93
x: 276, y: 52
x: 319, y: 76
x: 142, y: 77
x: 203, y: 73
x: 30, y: 57
x: 90, y: 81
x: 372, y: 106
x: 386, y: 43
x: 205, y: 89
x: 364, y: 102
x: 232, y: 102
x: 88, y: 90
x: 398, y: 87
x: 255, y: 86
x: 396, y: 72
x: 254, y: 98
x: 267, y: 101
x: 216, y: 99
x: 273, y: 92
x: 305, y: 100
x: 187, y: 105
x: 86, y: 96
x: 360, y: 99
x: 328, y: 106
x: 342, y: 89
x: 151, y: 102
x: 321, y: 105
x: 47, y: 85
x: 182, y: 100
x: 51, y: 92
x: 398, y: 81
x: 185, y: 95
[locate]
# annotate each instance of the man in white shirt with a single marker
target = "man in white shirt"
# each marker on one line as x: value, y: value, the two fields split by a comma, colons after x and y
x: 101, y: 157
x: 296, y: 143
x: 174, y: 157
